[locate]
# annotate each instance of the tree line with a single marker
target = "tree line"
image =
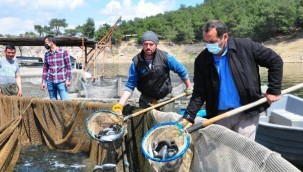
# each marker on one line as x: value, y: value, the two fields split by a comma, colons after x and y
x: 259, y: 20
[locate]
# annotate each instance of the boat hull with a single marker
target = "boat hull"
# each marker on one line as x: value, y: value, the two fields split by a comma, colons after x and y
x: 281, y: 129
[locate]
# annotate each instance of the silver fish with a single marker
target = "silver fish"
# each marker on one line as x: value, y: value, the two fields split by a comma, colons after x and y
x: 105, y: 167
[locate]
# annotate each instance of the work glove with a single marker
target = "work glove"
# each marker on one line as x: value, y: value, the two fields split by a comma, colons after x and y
x: 184, y: 122
x: 117, y: 108
x: 188, y: 92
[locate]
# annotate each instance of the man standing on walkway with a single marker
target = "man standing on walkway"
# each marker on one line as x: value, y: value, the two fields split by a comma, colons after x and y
x: 10, y: 80
x: 56, y: 70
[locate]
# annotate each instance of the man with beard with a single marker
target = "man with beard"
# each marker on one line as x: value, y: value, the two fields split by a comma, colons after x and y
x: 150, y: 74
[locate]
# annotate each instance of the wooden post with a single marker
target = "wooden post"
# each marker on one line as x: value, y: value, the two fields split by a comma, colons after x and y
x: 95, y: 59
x: 83, y: 55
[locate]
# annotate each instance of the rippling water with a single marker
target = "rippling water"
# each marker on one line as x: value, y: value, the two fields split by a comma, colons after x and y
x: 39, y: 158
x: 292, y: 75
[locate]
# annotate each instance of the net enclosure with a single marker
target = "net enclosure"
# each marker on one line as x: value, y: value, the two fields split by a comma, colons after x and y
x: 60, y: 125
x: 215, y: 149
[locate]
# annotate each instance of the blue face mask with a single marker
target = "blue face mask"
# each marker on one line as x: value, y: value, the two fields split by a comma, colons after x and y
x: 213, y: 48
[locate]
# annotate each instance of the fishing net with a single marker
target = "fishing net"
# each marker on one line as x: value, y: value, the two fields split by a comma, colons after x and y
x: 31, y: 83
x: 112, y: 87
x: 173, y: 133
x: 59, y: 125
x: 99, y: 121
x: 219, y: 149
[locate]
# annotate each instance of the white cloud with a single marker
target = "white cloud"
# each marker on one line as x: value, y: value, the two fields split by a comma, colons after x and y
x: 14, y: 25
x: 129, y: 11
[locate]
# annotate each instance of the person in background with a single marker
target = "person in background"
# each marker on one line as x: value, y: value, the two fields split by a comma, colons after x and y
x: 10, y: 80
x: 226, y: 76
x: 56, y: 70
x: 149, y: 72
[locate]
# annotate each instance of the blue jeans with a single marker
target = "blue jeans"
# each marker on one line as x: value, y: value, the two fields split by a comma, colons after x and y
x: 55, y: 88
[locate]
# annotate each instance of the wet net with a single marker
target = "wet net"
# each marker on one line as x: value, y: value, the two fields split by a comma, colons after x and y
x: 171, y: 133
x: 107, y: 128
x: 57, y: 124
x: 60, y: 125
x: 220, y: 149
x: 216, y: 149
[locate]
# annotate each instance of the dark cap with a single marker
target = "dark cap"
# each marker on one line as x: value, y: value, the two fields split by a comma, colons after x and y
x: 150, y: 36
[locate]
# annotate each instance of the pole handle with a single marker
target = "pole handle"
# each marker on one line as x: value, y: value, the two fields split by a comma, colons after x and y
x: 153, y: 107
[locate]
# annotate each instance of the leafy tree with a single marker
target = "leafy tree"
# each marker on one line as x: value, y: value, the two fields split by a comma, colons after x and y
x: 299, y: 21
x: 102, y: 31
x: 258, y: 19
x: 170, y: 34
x: 273, y: 19
x: 47, y: 30
x: 71, y: 32
x: 30, y: 34
x: 39, y: 29
x: 55, y: 25
x: 89, y: 28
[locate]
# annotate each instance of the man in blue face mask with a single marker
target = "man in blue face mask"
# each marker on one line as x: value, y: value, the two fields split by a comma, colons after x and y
x: 226, y: 76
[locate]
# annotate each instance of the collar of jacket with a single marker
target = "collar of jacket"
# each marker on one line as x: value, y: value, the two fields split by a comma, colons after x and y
x: 231, y: 44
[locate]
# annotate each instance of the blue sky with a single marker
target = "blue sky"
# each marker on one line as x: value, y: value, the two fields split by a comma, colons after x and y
x: 20, y: 16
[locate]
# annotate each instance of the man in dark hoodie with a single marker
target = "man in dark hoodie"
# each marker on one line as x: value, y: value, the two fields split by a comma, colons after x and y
x: 226, y: 76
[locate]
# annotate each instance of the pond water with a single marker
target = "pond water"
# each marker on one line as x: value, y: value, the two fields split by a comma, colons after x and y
x: 292, y: 73
x: 40, y: 158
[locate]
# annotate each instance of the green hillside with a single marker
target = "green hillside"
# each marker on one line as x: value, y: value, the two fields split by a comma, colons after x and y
x: 259, y: 20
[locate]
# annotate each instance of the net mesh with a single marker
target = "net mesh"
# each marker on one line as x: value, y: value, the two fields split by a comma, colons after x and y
x: 220, y: 149
x: 57, y: 124
x: 31, y: 83
x: 61, y: 126
x: 170, y: 133
x: 103, y: 87
x: 101, y: 120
